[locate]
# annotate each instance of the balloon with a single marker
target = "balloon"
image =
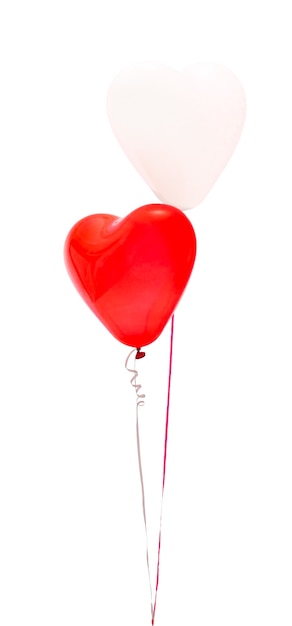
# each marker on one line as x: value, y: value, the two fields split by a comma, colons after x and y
x: 179, y: 129
x: 132, y: 271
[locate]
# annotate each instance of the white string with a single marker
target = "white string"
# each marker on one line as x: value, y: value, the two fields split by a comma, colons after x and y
x: 139, y: 403
x: 140, y: 396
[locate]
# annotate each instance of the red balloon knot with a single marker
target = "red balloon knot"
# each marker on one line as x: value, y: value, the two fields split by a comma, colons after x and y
x: 140, y: 355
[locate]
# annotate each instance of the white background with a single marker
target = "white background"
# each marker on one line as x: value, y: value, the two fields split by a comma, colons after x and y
x: 71, y: 532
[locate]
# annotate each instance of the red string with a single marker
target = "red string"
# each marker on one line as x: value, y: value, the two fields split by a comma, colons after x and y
x: 164, y: 463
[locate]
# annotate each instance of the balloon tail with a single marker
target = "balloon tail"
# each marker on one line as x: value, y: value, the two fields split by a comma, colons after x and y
x: 140, y: 355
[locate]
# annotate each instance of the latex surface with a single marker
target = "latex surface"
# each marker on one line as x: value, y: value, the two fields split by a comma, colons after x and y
x: 132, y: 272
x: 179, y: 129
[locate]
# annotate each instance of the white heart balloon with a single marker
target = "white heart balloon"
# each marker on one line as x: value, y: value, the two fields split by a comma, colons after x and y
x: 179, y: 129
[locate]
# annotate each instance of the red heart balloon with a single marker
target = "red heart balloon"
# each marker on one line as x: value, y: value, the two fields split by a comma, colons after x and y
x: 132, y: 271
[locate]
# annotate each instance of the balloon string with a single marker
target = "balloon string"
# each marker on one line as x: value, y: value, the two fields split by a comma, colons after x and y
x: 164, y: 463
x: 140, y: 402
x: 133, y: 381
x: 144, y: 510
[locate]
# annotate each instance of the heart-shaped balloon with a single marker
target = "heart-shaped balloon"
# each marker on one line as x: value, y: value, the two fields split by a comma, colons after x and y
x: 132, y: 271
x: 178, y: 129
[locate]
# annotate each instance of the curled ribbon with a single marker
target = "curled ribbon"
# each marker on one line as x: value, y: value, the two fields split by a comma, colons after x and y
x: 140, y: 401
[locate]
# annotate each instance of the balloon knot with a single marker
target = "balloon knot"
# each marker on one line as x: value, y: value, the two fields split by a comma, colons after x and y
x: 139, y: 354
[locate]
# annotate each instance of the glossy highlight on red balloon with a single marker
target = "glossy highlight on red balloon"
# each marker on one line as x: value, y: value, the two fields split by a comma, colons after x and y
x: 132, y: 271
